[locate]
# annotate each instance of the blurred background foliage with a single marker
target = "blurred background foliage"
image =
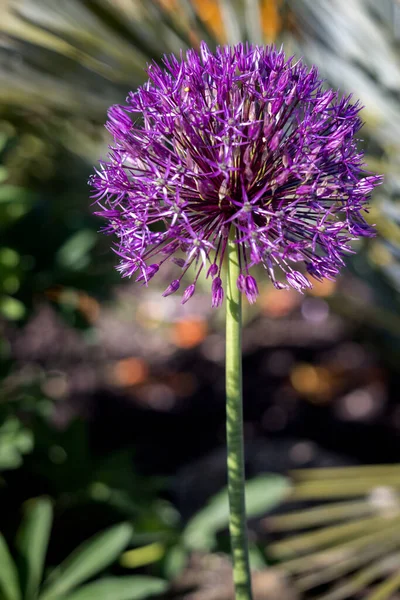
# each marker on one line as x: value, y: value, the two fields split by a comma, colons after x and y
x: 111, y: 401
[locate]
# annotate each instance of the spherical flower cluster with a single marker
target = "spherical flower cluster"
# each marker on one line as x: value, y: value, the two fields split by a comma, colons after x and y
x: 244, y: 143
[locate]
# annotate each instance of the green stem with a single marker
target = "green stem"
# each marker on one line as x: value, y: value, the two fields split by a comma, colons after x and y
x: 234, y: 429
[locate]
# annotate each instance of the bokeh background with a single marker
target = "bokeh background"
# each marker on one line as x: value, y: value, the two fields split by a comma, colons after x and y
x: 112, y: 398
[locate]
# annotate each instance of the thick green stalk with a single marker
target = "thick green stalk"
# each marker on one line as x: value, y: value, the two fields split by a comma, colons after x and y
x: 234, y: 429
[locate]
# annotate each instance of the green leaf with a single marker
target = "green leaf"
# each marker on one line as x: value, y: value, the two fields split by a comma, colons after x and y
x: 14, y: 442
x: 120, y: 588
x: 87, y: 560
x: 3, y: 170
x: 175, y: 561
x: 74, y: 253
x: 231, y: 20
x: 9, y: 586
x: 32, y: 542
x: 385, y: 590
x: 256, y: 557
x: 262, y: 494
x: 11, y: 308
x: 13, y: 193
x: 265, y: 492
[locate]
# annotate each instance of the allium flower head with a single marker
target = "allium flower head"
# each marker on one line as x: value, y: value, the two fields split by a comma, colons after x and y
x: 245, y: 142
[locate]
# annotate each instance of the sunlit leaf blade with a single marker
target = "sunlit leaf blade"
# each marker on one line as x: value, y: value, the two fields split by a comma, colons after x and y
x: 32, y: 542
x: 355, y: 584
x: 322, y: 538
x: 9, y: 586
x: 344, y: 551
x: 344, y: 546
x: 120, y: 588
x: 232, y: 20
x: 348, y: 564
x: 252, y: 14
x: 359, y: 472
x: 262, y: 494
x: 330, y: 488
x: 143, y: 555
x: 87, y: 560
x: 113, y: 20
x: 386, y: 589
x: 320, y: 515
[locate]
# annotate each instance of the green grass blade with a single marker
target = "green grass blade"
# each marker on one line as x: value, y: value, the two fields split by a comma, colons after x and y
x: 344, y: 551
x: 340, y: 568
x: 32, y: 541
x: 114, y: 21
x: 87, y: 560
x: 307, y: 542
x: 349, y: 488
x: 336, y: 473
x: 252, y: 15
x: 352, y: 586
x: 385, y: 589
x: 231, y: 19
x: 320, y: 515
x: 134, y: 587
x: 9, y: 586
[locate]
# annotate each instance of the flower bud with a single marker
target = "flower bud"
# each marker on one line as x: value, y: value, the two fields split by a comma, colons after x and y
x: 241, y: 280
x: 172, y: 288
x: 251, y: 289
x: 188, y: 293
x: 213, y: 270
x: 150, y: 271
x: 217, y: 293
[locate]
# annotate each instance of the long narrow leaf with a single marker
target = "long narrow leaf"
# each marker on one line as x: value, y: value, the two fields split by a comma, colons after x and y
x: 231, y: 20
x: 326, y: 536
x: 120, y: 588
x: 32, y: 542
x: 113, y: 20
x: 338, y: 569
x: 385, y: 589
x: 345, y: 551
x: 336, y: 473
x: 252, y: 15
x: 9, y: 587
x: 358, y: 582
x: 320, y: 515
x: 87, y: 560
x: 262, y: 494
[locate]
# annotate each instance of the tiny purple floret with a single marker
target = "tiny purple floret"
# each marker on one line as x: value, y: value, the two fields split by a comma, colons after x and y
x: 242, y: 141
x: 217, y: 294
x: 188, y: 293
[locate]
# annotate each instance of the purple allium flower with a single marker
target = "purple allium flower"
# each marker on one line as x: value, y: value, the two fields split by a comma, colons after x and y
x: 242, y: 140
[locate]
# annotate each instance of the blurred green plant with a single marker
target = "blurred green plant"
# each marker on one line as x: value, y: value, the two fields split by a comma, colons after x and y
x: 65, y: 466
x: 201, y: 532
x: 81, y: 481
x: 47, y: 247
x: 66, y: 63
x: 348, y: 541
x: 62, y: 65
x: 15, y: 202
x: 26, y: 578
x: 16, y: 440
